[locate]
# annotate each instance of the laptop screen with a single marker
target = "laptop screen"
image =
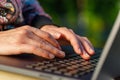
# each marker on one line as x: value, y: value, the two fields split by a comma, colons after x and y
x: 108, y: 67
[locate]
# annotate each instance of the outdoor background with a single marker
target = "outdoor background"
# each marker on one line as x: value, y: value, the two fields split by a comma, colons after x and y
x: 90, y: 18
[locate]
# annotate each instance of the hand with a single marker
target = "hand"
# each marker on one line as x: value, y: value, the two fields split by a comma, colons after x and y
x: 81, y: 45
x: 29, y: 40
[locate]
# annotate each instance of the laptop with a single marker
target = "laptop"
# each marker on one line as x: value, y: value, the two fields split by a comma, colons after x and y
x: 104, y: 65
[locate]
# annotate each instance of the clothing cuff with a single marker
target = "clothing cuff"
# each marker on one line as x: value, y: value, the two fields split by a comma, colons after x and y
x: 40, y: 20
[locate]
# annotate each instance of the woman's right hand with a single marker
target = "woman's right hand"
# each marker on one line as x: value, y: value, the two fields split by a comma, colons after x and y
x: 29, y: 40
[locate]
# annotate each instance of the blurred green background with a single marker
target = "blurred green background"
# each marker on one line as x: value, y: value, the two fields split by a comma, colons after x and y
x: 90, y: 18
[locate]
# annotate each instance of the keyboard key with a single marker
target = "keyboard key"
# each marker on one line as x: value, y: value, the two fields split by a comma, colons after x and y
x: 69, y: 66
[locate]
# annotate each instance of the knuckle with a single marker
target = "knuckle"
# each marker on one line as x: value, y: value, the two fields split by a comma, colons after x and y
x: 71, y: 30
x: 33, y: 48
x: 85, y: 38
x: 21, y: 37
x: 23, y: 32
x: 53, y: 50
x: 19, y: 40
x: 64, y: 28
x: 47, y: 35
x: 42, y: 52
x: 26, y: 27
x: 45, y: 54
x: 56, y: 52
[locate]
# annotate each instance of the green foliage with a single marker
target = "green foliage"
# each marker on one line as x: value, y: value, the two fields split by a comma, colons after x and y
x: 99, y: 16
x: 95, y: 17
x: 63, y: 12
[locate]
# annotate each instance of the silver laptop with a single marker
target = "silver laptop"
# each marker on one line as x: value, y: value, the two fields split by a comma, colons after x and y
x: 102, y: 66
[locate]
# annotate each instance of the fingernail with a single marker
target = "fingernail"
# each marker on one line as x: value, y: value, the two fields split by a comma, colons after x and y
x: 86, y: 54
x: 91, y: 50
x: 51, y: 56
x: 79, y: 51
x: 62, y: 54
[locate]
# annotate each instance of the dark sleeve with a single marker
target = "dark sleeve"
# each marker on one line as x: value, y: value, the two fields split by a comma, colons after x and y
x: 34, y: 14
x: 39, y: 21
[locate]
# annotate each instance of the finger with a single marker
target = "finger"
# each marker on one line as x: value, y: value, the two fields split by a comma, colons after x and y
x: 88, y: 42
x: 44, y: 35
x: 72, y: 38
x: 32, y: 49
x: 39, y: 42
x: 54, y: 33
x: 86, y: 45
x: 63, y: 42
x: 28, y: 46
x: 85, y: 55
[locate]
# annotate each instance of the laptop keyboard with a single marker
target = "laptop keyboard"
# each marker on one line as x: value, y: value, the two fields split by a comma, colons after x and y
x: 72, y: 65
